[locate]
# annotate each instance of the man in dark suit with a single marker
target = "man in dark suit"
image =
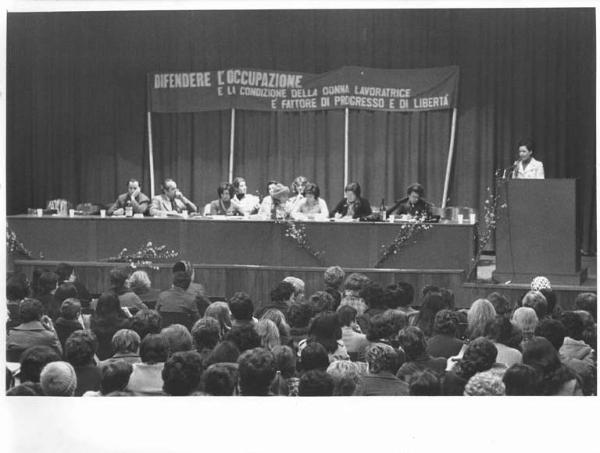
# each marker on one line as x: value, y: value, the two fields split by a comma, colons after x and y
x: 177, y: 300
x: 414, y: 205
x: 134, y: 197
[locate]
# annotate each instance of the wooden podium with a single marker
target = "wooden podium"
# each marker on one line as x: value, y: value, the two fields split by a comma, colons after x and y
x: 537, y: 231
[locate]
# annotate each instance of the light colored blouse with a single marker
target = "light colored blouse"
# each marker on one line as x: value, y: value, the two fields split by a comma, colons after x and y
x: 304, y: 210
x: 533, y: 170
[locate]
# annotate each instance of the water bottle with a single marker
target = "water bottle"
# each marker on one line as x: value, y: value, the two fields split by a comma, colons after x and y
x: 128, y: 209
x: 382, y: 210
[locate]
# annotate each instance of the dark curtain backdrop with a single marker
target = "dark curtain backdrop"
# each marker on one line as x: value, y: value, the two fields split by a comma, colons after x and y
x: 76, y: 101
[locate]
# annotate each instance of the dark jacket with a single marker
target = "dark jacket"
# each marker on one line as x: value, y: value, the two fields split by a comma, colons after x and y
x: 382, y: 384
x: 361, y: 210
x: 420, y: 208
x: 29, y: 334
x: 65, y: 327
x: 88, y: 378
x: 104, y: 330
x: 177, y: 300
x: 443, y: 346
x: 436, y: 365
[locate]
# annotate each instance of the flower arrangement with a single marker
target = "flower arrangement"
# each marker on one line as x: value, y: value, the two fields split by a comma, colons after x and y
x: 297, y: 233
x: 145, y: 256
x: 406, y: 233
x: 16, y: 247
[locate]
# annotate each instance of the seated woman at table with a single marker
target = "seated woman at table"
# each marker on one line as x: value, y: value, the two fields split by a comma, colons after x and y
x: 352, y: 205
x: 413, y: 205
x: 226, y: 204
x: 311, y: 206
x: 266, y: 203
x: 276, y: 205
x: 298, y: 187
x: 248, y: 203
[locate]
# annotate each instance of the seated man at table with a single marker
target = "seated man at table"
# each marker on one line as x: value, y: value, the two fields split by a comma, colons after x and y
x: 171, y: 202
x: 414, y: 205
x: 352, y: 205
x: 139, y: 201
x: 249, y: 203
x: 226, y: 204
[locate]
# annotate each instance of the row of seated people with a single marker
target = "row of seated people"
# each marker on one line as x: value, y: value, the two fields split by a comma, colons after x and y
x: 367, y: 340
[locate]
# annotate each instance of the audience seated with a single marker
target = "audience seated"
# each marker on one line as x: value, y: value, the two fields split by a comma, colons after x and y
x: 587, y: 302
x: 346, y: 377
x: 499, y: 331
x: 321, y: 301
x: 480, y: 355
x: 381, y: 380
x: 354, y: 340
x: 412, y: 341
x: 316, y: 383
x: 443, y: 342
x: 268, y: 333
x: 424, y: 383
x: 526, y: 320
x: 176, y: 305
x: 333, y: 278
x: 139, y: 282
x: 353, y: 284
x: 286, y: 380
x: 224, y: 352
x: 486, y: 383
x: 66, y: 274
x: 219, y: 380
x: 244, y: 337
x: 313, y: 357
x: 195, y: 289
x: 46, y: 287
x: 146, y: 377
x: 325, y: 329
x: 145, y: 322
x: 242, y: 309
x: 181, y: 373
x: 58, y: 379
x: 107, y: 319
x: 520, y: 380
x: 68, y: 321
x: 480, y: 313
x: 282, y: 296
x: 118, y: 278
x: 114, y: 378
x: 257, y: 370
x: 373, y: 295
x: 179, y: 338
x: 432, y: 303
x: 125, y: 347
x: 283, y: 328
x: 206, y: 334
x: 220, y: 311
x: 33, y: 360
x: 537, y: 301
x: 299, y: 316
x: 80, y: 349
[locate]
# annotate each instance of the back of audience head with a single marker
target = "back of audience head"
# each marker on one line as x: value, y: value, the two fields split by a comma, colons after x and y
x: 179, y: 338
x: 334, y: 277
x: 244, y: 337
x: 282, y: 292
x: 139, y: 281
x: 65, y: 291
x: 285, y: 360
x: 70, y: 309
x: 154, y: 349
x: 354, y: 283
x: 325, y: 328
x: 299, y: 286
x: 268, y: 333
x: 409, y: 294
x: 551, y: 301
x: 445, y: 323
x: 394, y: 296
x: 314, y: 357
x: 16, y: 290
x: 181, y: 373
x: 589, y: 333
x: 256, y: 369
x: 479, y: 356
x: 486, y: 383
x: 373, y: 295
x: 115, y: 376
x: 432, y: 303
x: 30, y: 310
x: 447, y: 297
x: 537, y: 301
x: 321, y: 301
x: 181, y: 280
x: 65, y: 272
x: 552, y: 330
x: 278, y: 318
x: 58, y: 379
x: 573, y: 324
x: 500, y: 303
x: 80, y: 348
x: 499, y: 330
x: 346, y: 377
x: 126, y: 341
x: 413, y: 343
x: 299, y: 315
x: 220, y: 311
x: 424, y: 383
x: 118, y: 278
x: 316, y: 383
x: 526, y: 319
x: 35, y: 358
x: 382, y: 358
x: 241, y: 306
x: 541, y: 355
x: 185, y: 267
x: 520, y: 380
x: 47, y: 283
x: 219, y: 380
x: 146, y: 321
x: 381, y: 329
x: 224, y: 352
x: 587, y: 302
x: 346, y: 315
x: 397, y: 319
x: 480, y: 313
x: 108, y: 306
x: 206, y: 333
x: 25, y: 389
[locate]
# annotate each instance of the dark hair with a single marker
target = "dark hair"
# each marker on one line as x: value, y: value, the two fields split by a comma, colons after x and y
x: 65, y: 291
x: 225, y: 186
x: 182, y: 280
x: 573, y: 324
x: 47, y: 282
x: 108, y: 306
x: 321, y: 301
x: 163, y: 184
x: 413, y: 343
x: 397, y: 319
x: 416, y: 188
x: 355, y: 282
x: 325, y: 328
x: 118, y: 277
x: 64, y: 271
x: 26, y: 389
x: 154, y: 349
x: 241, y: 306
x: 541, y: 355
x: 499, y: 330
x: 179, y: 338
x: 316, y: 383
x: 550, y: 300
x: 394, y: 296
x: 347, y: 315
x: 236, y: 182
x: 382, y: 357
x: 80, y: 348
x: 445, y: 322
x: 380, y: 328
x: 244, y: 337
x: 353, y: 187
x: 16, y: 289
x: 500, y: 303
x: 206, y: 333
x: 282, y: 292
x: 115, y: 376
x: 30, y: 310
x: 587, y: 302
x: 299, y: 314
x: 146, y: 321
x: 537, y: 301
x: 313, y: 189
x: 224, y: 352
x: 125, y: 341
x: 373, y: 295
x: 182, y: 266
x: 409, y: 292
x: 314, y: 356
x: 479, y: 356
x: 256, y: 369
x: 552, y: 330
x: 182, y: 372
x: 448, y: 298
x: 424, y: 383
x: 70, y: 308
x: 431, y: 304
x: 520, y: 380
x: 527, y: 142
x: 297, y: 183
x: 34, y: 359
x: 285, y: 360
x: 219, y: 380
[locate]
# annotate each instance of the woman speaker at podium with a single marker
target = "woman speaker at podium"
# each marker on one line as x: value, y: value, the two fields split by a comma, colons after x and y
x: 526, y: 167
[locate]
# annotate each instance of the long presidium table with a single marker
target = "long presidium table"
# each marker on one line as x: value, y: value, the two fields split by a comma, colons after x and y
x: 444, y: 246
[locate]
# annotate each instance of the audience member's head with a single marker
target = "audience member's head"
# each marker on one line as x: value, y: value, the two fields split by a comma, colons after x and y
x: 179, y: 338
x: 299, y: 315
x: 146, y: 321
x: 354, y: 283
x: 126, y: 341
x: 181, y: 280
x: 526, y: 320
x: 268, y: 333
x: 346, y: 377
x: 486, y: 383
x: 70, y: 309
x: 424, y: 383
x: 219, y: 380
x: 16, y: 290
x: 285, y: 361
x: 520, y: 380
x: 551, y: 301
x: 185, y: 267
x: 316, y: 383
x: 500, y: 303
x: 481, y: 312
x: 108, y: 306
x: 220, y: 311
x: 80, y: 348
x: 47, y: 283
x: 139, y: 282
x: 541, y: 355
x: 181, y: 373
x: 35, y: 358
x: 118, y: 278
x: 241, y: 306
x: 381, y: 329
x: 394, y: 296
x: 382, y: 358
x: 26, y: 389
x: 272, y: 314
x: 299, y: 286
x: 573, y: 324
x: 409, y: 294
x: 65, y: 291
x: 448, y: 298
x: 321, y: 301
x: 499, y: 330
x: 282, y: 292
x: 314, y: 357
x: 413, y: 343
x: 552, y: 330
x: 334, y: 277
x: 65, y: 272
x: 539, y: 283
x: 244, y: 337
x: 256, y: 369
x: 346, y: 315
x: 115, y: 376
x: 445, y: 323
x: 325, y: 328
x: 30, y: 310
x: 537, y: 301
x: 154, y: 349
x: 432, y: 303
x: 224, y: 352
x: 58, y: 379
x: 479, y: 356
x: 587, y: 302
x: 373, y: 295
x: 206, y: 333
x: 396, y: 319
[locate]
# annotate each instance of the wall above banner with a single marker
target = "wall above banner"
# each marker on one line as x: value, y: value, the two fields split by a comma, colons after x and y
x: 350, y: 87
